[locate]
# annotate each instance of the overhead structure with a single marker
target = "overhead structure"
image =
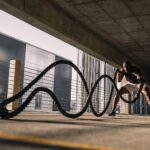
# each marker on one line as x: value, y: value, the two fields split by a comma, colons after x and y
x: 112, y: 30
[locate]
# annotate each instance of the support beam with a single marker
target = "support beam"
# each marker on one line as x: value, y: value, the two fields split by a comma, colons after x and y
x: 47, y: 17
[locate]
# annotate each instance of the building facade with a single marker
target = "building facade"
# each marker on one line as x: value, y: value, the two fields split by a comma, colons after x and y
x: 33, y: 61
x: 92, y: 68
x: 68, y: 88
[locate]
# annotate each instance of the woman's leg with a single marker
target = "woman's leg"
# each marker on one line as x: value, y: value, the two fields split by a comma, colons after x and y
x: 123, y: 90
x: 145, y: 91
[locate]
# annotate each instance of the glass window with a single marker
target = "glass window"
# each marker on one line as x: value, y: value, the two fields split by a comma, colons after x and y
x: 38, y: 101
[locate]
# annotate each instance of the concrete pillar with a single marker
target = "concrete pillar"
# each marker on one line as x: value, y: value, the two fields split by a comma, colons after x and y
x: 14, y: 82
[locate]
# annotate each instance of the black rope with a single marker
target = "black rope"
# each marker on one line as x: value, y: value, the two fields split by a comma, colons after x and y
x: 5, y: 114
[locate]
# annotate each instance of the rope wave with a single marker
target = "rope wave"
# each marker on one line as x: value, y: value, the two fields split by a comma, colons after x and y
x: 5, y: 114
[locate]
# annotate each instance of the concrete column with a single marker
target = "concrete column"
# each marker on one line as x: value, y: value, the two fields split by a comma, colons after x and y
x: 14, y: 82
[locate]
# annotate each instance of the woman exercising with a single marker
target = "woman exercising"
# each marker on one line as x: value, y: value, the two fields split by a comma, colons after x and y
x: 131, y: 79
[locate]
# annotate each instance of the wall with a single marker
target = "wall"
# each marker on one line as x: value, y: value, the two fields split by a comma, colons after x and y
x: 92, y: 68
x: 36, y: 60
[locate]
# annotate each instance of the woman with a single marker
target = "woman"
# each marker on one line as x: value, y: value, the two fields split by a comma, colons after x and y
x: 131, y: 80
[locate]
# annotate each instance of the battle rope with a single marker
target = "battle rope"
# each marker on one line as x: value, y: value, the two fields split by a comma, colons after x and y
x: 5, y: 114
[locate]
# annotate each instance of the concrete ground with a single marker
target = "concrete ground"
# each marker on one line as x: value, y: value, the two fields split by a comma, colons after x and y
x: 53, y: 131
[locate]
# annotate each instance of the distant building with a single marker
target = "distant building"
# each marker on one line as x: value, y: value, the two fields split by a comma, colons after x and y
x: 92, y: 68
x: 69, y: 90
x: 33, y: 61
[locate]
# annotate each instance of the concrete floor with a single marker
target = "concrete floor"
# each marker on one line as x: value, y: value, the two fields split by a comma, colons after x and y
x: 31, y: 130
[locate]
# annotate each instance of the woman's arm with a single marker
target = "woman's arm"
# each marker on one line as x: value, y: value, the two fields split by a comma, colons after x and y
x: 120, y: 75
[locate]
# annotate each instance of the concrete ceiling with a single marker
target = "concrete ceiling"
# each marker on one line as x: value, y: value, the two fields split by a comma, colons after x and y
x: 112, y: 30
x: 124, y: 23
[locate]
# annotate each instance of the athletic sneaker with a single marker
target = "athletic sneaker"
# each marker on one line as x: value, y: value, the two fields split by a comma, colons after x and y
x: 112, y: 114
